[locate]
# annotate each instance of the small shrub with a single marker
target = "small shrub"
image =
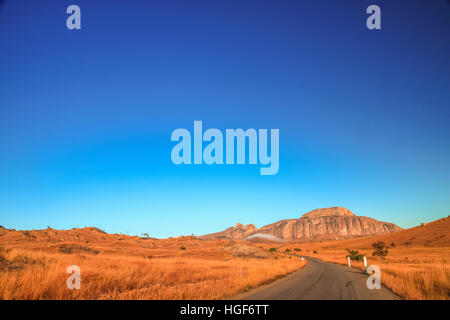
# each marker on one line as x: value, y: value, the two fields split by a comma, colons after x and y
x: 287, y: 250
x: 393, y: 245
x: 182, y: 248
x: 297, y: 249
x: 273, y: 249
x: 314, y: 251
x: 380, y: 249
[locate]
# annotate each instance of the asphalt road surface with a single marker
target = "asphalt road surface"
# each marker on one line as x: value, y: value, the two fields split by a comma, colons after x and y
x: 319, y: 280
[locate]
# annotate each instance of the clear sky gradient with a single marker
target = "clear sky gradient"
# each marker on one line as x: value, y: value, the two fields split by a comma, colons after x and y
x: 86, y: 115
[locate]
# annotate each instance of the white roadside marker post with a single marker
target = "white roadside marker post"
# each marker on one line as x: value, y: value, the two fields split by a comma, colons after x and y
x: 349, y: 264
x: 365, y: 264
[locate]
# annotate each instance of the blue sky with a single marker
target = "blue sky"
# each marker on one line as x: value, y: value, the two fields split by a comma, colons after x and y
x: 86, y: 115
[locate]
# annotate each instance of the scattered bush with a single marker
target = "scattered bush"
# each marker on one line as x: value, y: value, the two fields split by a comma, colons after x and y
x: 298, y: 249
x: 380, y: 249
x: 182, y: 248
x: 273, y: 249
x: 287, y: 250
x: 314, y: 251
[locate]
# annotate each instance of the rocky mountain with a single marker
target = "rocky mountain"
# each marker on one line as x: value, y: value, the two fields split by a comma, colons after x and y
x: 326, y: 223
x: 237, y: 232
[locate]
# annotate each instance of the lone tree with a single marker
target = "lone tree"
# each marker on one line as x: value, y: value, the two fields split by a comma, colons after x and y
x: 380, y: 249
x: 354, y: 255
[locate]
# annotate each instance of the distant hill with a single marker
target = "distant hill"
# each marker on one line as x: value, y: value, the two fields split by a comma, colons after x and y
x: 334, y: 223
x: 49, y: 235
x: 238, y: 232
x: 431, y: 234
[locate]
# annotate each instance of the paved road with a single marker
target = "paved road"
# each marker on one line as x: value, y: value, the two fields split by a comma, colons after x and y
x: 321, y: 281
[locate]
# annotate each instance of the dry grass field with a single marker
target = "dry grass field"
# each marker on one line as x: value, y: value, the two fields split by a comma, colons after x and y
x: 113, y: 266
x: 33, y: 266
x: 416, y: 267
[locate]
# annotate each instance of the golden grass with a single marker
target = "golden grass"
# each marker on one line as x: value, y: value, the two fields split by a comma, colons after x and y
x: 206, y: 272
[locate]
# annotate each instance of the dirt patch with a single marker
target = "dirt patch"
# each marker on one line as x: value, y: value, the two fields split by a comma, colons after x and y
x: 246, y: 251
x: 71, y: 249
